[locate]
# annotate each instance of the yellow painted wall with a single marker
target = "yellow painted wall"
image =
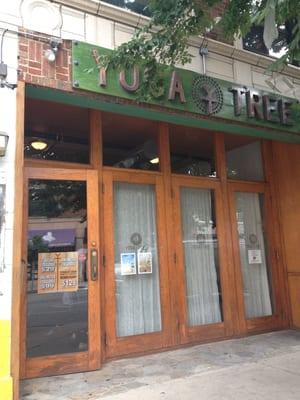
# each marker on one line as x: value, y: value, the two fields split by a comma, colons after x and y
x: 6, y: 390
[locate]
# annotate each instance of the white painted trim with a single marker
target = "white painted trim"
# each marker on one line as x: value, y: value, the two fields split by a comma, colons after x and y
x: 130, y: 18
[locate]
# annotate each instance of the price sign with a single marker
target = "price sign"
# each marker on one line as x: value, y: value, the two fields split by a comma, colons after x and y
x: 47, y: 273
x: 58, y: 272
x: 68, y: 272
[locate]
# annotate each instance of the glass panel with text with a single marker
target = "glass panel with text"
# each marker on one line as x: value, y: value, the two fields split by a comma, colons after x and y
x: 253, y: 254
x: 136, y: 260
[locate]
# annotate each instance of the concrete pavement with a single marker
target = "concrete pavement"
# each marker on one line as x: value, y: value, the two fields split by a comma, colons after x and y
x: 261, y: 367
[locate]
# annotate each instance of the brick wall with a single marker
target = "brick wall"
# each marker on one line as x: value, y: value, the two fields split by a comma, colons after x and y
x: 36, y: 69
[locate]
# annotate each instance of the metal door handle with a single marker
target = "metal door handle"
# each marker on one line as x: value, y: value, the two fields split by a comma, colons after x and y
x: 94, y: 264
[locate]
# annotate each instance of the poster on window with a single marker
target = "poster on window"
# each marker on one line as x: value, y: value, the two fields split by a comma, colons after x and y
x: 57, y: 272
x: 254, y: 256
x: 68, y: 272
x: 144, y: 263
x: 47, y: 273
x: 128, y: 264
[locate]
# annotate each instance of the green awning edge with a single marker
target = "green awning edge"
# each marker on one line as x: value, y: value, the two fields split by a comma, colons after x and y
x: 59, y: 96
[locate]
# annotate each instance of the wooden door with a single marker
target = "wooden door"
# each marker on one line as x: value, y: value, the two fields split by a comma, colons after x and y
x: 259, y: 272
x: 61, y: 296
x: 137, y: 310
x: 202, y: 272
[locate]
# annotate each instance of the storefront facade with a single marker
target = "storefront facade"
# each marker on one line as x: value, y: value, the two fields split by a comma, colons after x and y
x: 144, y: 226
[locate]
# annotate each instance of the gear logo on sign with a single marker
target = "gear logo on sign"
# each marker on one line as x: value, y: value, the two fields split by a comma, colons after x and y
x: 207, y: 95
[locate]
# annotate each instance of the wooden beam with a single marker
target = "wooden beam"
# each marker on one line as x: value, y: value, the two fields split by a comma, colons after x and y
x: 17, y: 240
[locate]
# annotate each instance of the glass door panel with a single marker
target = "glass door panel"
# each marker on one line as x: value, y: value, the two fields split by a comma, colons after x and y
x: 203, y: 280
x: 137, y: 291
x: 201, y: 259
x: 253, y: 255
x: 57, y: 287
x: 62, y: 309
x: 136, y: 271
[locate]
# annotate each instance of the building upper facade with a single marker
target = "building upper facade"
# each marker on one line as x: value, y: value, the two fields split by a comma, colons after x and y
x: 106, y: 25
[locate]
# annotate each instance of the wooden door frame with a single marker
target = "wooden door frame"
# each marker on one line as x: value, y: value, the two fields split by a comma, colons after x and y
x: 115, y: 346
x: 96, y: 163
x: 208, y: 331
x: 68, y: 362
x: 276, y: 320
x: 19, y: 226
x: 17, y: 241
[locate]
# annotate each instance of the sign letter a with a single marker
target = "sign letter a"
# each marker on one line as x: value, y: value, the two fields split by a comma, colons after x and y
x: 176, y: 87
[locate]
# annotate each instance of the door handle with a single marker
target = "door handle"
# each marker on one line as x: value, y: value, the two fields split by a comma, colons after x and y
x: 94, y: 264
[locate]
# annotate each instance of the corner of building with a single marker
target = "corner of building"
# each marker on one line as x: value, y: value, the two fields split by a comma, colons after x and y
x: 9, y: 54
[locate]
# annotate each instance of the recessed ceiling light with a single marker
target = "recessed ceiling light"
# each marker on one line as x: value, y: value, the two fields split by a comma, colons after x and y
x: 154, y: 160
x: 39, y: 145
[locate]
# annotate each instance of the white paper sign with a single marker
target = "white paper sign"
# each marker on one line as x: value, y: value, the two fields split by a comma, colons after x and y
x: 254, y: 256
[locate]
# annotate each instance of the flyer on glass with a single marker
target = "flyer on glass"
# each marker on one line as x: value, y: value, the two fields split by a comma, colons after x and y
x: 145, y: 263
x: 254, y: 256
x: 57, y: 272
x: 47, y: 273
x: 128, y: 264
x: 68, y: 272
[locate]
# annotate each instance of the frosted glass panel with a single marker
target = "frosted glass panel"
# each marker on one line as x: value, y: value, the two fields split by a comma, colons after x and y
x: 253, y: 255
x: 136, y: 259
x: 200, y: 245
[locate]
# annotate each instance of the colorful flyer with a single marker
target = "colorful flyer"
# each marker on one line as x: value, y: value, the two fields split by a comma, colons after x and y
x: 47, y: 273
x: 128, y: 264
x: 144, y: 263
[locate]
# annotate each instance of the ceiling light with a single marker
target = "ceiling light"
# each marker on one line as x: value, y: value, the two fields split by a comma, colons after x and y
x: 39, y: 145
x: 154, y: 160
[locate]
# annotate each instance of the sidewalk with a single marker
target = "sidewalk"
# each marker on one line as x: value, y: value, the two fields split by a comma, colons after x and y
x: 261, y: 367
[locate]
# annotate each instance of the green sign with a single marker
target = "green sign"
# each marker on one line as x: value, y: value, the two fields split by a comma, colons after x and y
x: 186, y: 91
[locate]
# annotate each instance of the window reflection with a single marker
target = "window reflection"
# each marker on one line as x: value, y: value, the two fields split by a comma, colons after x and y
x: 192, y: 151
x: 244, y: 158
x: 56, y: 268
x: 57, y: 132
x: 253, y: 41
x: 130, y: 142
x: 137, y: 6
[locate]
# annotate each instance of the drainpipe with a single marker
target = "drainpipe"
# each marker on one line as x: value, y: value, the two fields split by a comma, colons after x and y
x: 203, y: 51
